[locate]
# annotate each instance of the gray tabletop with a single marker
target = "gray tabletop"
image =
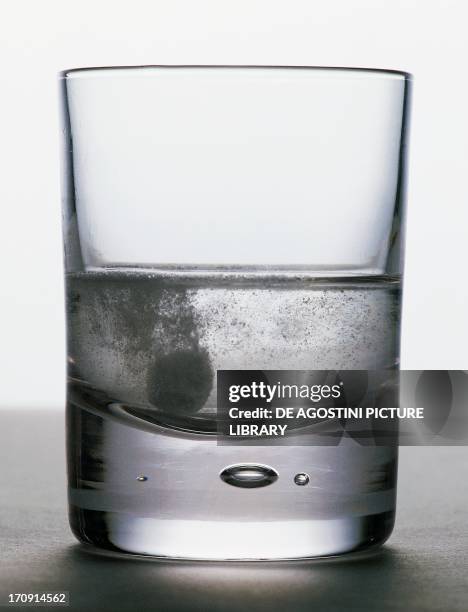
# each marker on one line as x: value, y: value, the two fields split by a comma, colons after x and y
x: 422, y: 567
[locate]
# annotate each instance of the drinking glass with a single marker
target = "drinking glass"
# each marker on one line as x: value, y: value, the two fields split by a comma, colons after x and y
x: 226, y: 218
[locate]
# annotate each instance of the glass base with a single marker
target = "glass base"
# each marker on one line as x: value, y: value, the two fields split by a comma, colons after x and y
x: 221, y: 540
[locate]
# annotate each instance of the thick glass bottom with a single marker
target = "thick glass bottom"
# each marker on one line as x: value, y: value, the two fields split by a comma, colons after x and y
x: 222, y: 540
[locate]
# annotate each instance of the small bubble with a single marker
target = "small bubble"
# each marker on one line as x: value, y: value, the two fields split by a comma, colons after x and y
x: 301, y: 479
x: 142, y: 478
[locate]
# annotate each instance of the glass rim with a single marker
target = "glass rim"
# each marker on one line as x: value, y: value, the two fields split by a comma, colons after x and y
x: 93, y: 71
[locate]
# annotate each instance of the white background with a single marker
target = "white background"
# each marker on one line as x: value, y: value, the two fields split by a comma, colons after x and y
x: 39, y: 38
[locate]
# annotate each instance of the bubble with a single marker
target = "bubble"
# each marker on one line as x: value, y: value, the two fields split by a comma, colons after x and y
x: 249, y: 476
x: 301, y: 479
x: 142, y: 478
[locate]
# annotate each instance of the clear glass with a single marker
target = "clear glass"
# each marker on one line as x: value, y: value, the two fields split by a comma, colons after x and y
x: 226, y: 218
